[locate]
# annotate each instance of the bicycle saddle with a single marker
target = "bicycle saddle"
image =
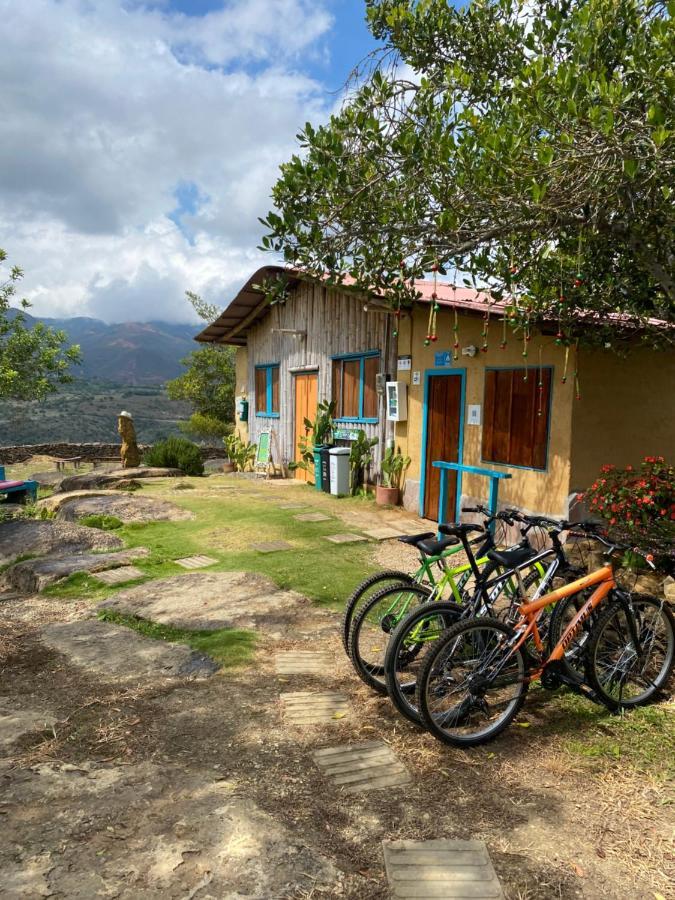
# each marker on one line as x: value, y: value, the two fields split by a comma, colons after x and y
x: 414, y: 539
x: 511, y: 558
x: 434, y: 548
x: 460, y: 528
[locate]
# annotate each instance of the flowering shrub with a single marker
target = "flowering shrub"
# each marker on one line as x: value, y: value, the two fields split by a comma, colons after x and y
x: 637, y: 503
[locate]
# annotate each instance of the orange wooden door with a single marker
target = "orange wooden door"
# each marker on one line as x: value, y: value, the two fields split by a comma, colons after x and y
x: 306, y: 399
x: 443, y: 419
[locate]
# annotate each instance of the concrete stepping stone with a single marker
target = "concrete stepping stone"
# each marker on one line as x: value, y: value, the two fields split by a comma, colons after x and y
x: 347, y: 538
x: 271, y: 546
x: 303, y: 662
x: 382, y: 534
x: 195, y: 562
x: 34, y: 575
x: 312, y: 517
x: 362, y: 767
x: 307, y: 708
x: 451, y: 870
x: 119, y: 576
x: 291, y: 505
x: 117, y: 652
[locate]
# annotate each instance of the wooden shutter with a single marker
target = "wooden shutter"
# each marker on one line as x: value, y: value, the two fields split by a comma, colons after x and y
x: 351, y: 382
x: 274, y: 373
x: 371, y: 369
x: 513, y: 431
x: 337, y: 387
x: 261, y: 390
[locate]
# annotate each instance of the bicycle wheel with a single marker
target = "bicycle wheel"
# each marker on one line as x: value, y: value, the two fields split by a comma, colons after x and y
x: 472, y: 683
x: 407, y: 648
x: 363, y: 592
x: 572, y: 665
x: 372, y: 626
x: 619, y: 675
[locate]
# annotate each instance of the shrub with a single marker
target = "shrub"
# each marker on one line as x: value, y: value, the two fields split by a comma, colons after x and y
x: 102, y: 521
x: 176, y: 453
x: 638, y: 505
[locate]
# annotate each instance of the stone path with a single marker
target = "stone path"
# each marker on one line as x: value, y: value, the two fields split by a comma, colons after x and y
x: 120, y: 576
x: 320, y: 708
x: 195, y: 562
x: 303, y: 662
x: 346, y: 538
x: 382, y: 534
x: 362, y: 767
x: 312, y: 517
x: 271, y: 546
x: 451, y: 870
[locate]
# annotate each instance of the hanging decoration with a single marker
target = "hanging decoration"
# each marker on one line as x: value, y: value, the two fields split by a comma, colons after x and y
x: 486, y: 327
x: 567, y: 357
x: 502, y: 345
x: 579, y: 278
x: 540, y: 385
x: 526, y: 340
x: 577, y: 388
x: 559, y: 338
x: 432, y: 335
x: 455, y: 327
x: 397, y: 314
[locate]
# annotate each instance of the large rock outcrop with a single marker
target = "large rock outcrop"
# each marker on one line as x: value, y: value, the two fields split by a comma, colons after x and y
x: 33, y: 537
x: 99, y: 479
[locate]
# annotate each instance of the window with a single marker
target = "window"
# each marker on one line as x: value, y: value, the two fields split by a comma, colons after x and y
x: 514, y: 431
x: 354, y: 386
x: 267, y: 390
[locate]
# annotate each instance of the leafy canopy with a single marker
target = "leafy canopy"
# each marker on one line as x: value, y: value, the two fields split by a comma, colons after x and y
x: 33, y: 360
x: 530, y: 146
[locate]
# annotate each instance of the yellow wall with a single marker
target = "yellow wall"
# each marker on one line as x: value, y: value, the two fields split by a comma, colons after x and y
x: 626, y: 411
x: 241, y: 389
x: 535, y: 491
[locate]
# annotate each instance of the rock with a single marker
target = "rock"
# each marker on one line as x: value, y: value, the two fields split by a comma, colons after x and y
x: 205, y: 601
x: 98, y: 479
x: 34, y: 575
x: 14, y: 723
x: 24, y: 537
x: 669, y: 589
x: 55, y: 501
x: 52, y: 478
x: 75, y: 505
x: 118, y: 652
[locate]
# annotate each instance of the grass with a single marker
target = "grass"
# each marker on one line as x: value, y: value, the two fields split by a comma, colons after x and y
x: 102, y: 521
x: 228, y: 646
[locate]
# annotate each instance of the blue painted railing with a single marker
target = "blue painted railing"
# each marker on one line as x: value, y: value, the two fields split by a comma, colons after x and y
x: 445, y: 467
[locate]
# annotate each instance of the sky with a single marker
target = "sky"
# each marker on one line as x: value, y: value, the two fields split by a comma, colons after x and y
x: 140, y: 141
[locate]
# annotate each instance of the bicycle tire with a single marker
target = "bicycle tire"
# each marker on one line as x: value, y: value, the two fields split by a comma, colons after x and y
x: 359, y: 593
x: 599, y: 673
x: 573, y: 662
x: 403, y: 697
x: 460, y: 713
x: 372, y: 672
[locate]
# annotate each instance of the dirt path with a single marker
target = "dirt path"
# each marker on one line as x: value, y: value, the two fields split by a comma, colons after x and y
x: 196, y: 787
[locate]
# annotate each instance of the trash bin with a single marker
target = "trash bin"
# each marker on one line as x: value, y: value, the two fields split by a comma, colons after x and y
x: 325, y: 469
x: 339, y: 470
x: 317, y: 466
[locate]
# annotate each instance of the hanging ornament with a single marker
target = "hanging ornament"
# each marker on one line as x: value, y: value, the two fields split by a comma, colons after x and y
x: 397, y: 314
x: 486, y: 328
x: 540, y: 385
x: 577, y: 388
x: 502, y: 345
x: 455, y: 326
x: 526, y: 339
x: 561, y: 300
x: 567, y: 356
x: 579, y: 279
x: 433, y: 312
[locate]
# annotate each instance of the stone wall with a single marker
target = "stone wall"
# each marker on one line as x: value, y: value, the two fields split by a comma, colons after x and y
x: 19, y: 454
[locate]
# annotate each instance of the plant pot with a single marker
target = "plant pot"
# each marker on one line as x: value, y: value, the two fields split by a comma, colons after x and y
x: 228, y: 467
x: 386, y: 496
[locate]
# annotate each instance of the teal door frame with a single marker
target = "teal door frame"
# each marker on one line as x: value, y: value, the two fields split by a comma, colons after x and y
x: 428, y: 375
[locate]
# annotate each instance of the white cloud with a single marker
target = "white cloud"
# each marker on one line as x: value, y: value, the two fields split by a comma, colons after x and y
x: 106, y: 110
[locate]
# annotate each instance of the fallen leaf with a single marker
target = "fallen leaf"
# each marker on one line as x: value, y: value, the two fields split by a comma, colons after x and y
x: 601, y: 853
x: 523, y: 724
x: 578, y: 871
x: 339, y: 715
x: 658, y: 896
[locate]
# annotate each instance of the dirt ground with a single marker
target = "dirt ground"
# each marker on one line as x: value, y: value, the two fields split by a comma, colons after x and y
x: 187, y: 788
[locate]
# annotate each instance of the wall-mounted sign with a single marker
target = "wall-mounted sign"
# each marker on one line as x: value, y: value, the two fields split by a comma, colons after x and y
x: 473, y: 417
x: 443, y: 359
x: 404, y: 363
x: 341, y: 434
x: 416, y: 378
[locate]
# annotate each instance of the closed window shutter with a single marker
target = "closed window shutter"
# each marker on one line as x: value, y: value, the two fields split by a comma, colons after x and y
x: 261, y: 390
x: 337, y: 387
x: 351, y: 378
x: 513, y: 431
x: 274, y: 373
x: 371, y: 369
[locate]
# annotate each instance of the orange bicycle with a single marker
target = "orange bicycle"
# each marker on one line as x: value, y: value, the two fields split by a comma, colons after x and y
x: 475, y: 679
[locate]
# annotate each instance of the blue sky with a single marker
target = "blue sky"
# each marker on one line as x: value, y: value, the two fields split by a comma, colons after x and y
x: 141, y: 140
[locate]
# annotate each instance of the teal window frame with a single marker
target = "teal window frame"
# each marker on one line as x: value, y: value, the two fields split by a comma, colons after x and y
x: 362, y: 357
x: 267, y: 413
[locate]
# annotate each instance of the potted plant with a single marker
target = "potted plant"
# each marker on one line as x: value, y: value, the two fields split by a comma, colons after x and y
x: 360, y: 457
x: 231, y: 442
x: 392, y: 471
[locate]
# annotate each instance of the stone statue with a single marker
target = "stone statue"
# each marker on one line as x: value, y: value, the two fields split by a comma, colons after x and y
x: 129, y: 451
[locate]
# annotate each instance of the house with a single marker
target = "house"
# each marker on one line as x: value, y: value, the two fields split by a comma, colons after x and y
x: 477, y: 394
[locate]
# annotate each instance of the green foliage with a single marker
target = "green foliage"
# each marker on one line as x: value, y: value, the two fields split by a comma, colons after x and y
x: 33, y: 360
x: 102, y: 521
x: 360, y: 457
x: 239, y: 452
x: 533, y: 150
x: 207, y: 311
x: 317, y: 433
x: 393, y: 468
x: 176, y: 453
x: 208, y: 384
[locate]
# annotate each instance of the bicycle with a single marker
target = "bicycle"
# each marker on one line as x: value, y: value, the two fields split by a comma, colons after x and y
x: 475, y: 678
x: 423, y: 626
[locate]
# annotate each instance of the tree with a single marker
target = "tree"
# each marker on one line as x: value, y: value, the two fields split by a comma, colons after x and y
x: 530, y: 147
x: 33, y: 360
x: 208, y: 382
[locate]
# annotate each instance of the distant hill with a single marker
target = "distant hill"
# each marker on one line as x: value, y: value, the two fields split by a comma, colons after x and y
x: 133, y: 353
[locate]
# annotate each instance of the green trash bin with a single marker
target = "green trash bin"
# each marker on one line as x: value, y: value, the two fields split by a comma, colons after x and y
x: 317, y: 466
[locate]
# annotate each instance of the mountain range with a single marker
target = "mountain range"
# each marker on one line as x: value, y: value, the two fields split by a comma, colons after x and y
x: 133, y: 353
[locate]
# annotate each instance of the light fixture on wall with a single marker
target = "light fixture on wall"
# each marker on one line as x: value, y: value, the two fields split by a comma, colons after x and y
x: 471, y: 351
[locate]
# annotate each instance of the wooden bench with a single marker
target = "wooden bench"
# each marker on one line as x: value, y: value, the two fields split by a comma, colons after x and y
x: 73, y: 460
x: 17, y: 491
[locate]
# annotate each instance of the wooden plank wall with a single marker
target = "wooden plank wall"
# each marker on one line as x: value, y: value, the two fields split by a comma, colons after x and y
x: 336, y: 323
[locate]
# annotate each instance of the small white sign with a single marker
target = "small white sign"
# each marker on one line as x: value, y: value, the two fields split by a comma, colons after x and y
x: 404, y: 363
x: 416, y: 378
x: 474, y: 414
